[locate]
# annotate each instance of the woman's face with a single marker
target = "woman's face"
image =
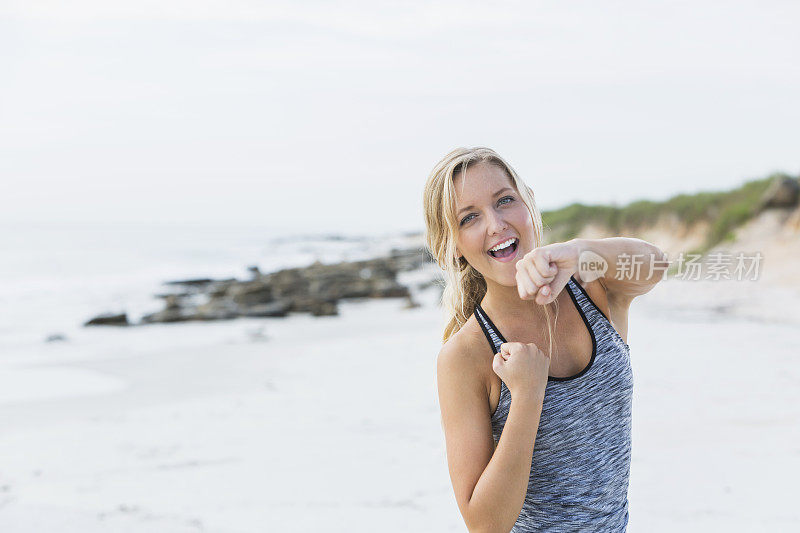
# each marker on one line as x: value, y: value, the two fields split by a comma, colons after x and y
x: 489, y: 211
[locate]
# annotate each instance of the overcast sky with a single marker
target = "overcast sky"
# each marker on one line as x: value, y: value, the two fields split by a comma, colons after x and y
x: 328, y: 116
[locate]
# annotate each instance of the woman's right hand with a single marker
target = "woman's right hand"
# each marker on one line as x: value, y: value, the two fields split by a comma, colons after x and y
x: 523, y: 368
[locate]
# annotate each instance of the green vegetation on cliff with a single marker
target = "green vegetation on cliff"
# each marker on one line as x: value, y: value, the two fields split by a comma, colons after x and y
x: 724, y: 210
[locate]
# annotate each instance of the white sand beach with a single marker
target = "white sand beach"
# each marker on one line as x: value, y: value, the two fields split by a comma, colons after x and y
x: 332, y: 424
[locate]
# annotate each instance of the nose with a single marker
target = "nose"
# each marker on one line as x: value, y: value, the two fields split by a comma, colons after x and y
x: 497, y: 223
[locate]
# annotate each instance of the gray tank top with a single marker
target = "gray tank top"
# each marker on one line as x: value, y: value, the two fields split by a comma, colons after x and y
x: 581, y: 457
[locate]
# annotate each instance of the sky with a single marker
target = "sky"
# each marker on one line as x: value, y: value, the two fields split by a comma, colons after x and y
x: 325, y: 117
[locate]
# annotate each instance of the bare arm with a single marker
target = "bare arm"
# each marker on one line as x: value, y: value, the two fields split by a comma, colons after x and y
x: 489, y: 487
x: 634, y: 265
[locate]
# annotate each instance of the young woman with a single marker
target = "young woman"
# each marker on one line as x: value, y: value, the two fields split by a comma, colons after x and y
x: 535, y: 402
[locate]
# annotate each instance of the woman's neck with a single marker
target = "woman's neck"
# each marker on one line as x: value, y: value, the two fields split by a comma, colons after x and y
x: 501, y: 301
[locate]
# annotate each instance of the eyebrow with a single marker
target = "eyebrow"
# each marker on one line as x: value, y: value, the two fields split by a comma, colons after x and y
x: 498, y: 193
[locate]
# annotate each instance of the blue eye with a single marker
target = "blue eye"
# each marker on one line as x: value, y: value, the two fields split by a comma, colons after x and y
x: 467, y: 218
x: 511, y: 198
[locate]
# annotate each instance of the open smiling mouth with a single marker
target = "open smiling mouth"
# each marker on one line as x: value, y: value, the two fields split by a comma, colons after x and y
x: 505, y: 252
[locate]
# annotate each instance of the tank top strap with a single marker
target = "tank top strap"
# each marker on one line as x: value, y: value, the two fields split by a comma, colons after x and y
x: 589, y: 309
x: 493, y: 335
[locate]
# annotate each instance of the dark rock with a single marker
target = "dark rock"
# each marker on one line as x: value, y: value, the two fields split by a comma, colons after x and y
x: 411, y: 259
x: 172, y: 301
x: 220, y: 287
x: 190, y: 282
x: 324, y: 308
x: 783, y: 191
x: 217, y: 309
x: 288, y: 284
x: 108, y: 320
x: 308, y: 304
x: 250, y: 293
x: 181, y: 295
x: 389, y: 289
x: 315, y: 289
x: 274, y: 309
x: 174, y: 314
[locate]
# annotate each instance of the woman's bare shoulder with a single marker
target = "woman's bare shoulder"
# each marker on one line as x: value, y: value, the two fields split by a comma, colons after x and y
x: 467, y: 352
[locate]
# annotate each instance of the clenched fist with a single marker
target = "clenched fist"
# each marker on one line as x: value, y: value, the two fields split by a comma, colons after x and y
x: 543, y: 272
x: 523, y: 368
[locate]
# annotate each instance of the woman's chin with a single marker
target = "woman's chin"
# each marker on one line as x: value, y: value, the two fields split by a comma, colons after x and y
x: 506, y: 280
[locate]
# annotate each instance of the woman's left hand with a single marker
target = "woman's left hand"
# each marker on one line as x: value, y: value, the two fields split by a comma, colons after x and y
x: 543, y: 272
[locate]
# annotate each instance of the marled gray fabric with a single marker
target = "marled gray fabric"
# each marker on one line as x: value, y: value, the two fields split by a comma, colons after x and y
x: 581, y: 458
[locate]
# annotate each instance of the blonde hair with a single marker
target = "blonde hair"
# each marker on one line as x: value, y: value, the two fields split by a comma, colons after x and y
x: 464, y: 286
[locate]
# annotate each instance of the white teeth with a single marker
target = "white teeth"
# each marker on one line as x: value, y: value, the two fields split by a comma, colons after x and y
x: 502, y: 245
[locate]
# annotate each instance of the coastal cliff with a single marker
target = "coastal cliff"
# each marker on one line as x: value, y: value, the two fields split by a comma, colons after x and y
x: 759, y: 216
